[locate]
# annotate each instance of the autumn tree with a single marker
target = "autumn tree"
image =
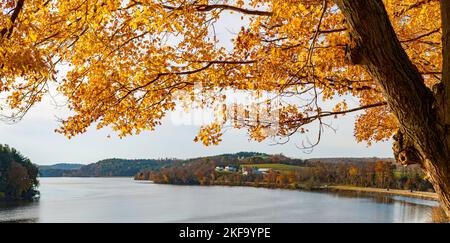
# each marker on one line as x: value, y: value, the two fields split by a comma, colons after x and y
x: 18, y: 176
x: 19, y: 180
x: 353, y: 173
x: 128, y: 63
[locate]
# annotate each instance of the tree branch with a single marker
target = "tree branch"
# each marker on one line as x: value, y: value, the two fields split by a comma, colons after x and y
x: 422, y: 36
x: 207, y: 8
x: 323, y: 114
x: 14, y: 16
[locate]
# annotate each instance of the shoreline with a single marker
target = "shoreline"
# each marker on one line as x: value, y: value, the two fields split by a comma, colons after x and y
x: 396, y: 192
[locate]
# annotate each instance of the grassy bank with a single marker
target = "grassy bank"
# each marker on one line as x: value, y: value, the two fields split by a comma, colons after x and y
x: 279, y: 167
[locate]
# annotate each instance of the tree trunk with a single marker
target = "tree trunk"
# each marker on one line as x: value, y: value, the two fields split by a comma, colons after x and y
x: 421, y: 114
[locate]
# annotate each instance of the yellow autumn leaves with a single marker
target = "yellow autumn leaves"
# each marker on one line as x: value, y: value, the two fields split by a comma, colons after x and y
x: 127, y: 59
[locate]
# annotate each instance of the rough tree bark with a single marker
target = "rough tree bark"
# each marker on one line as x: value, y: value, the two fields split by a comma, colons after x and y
x: 421, y: 113
x: 443, y: 95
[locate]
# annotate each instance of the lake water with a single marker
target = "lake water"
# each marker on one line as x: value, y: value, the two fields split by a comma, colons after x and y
x: 126, y: 200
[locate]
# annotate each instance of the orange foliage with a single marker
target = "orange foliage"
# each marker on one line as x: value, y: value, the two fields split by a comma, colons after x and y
x: 127, y: 59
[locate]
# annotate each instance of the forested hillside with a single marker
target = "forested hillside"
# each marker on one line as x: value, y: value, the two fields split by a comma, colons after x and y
x: 120, y: 167
x: 57, y: 170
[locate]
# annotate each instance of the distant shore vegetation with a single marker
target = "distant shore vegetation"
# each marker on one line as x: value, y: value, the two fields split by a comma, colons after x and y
x: 278, y: 171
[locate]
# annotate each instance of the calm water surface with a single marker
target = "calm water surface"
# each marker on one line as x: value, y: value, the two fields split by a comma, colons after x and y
x: 126, y: 200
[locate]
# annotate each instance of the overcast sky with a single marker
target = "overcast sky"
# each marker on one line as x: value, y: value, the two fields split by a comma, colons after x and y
x: 35, y: 138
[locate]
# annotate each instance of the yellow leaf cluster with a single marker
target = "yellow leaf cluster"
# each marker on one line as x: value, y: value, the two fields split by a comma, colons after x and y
x: 128, y: 59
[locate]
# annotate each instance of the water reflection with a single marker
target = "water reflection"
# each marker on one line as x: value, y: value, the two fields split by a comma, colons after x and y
x: 20, y: 221
x: 375, y: 197
x: 19, y: 212
x: 124, y: 200
x: 394, y: 208
x: 384, y: 199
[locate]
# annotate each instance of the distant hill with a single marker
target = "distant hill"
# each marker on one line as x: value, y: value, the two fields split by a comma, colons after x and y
x: 349, y: 160
x: 119, y: 167
x: 62, y: 166
x: 245, y: 158
x: 241, y: 155
x: 57, y: 170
